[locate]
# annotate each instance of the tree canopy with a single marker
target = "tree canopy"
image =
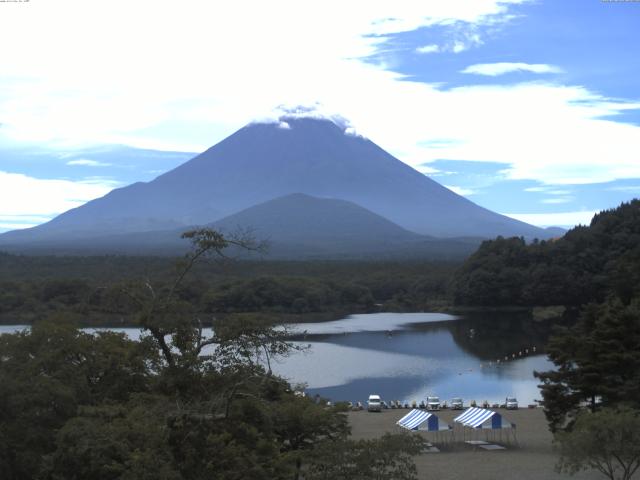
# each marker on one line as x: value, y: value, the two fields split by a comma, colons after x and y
x: 585, y: 265
x: 178, y: 404
x: 597, y: 362
x: 607, y: 441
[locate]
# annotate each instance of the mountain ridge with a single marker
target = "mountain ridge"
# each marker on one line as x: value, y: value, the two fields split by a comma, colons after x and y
x: 295, y: 226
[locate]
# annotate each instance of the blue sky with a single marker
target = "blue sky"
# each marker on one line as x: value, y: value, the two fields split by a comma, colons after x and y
x: 529, y: 108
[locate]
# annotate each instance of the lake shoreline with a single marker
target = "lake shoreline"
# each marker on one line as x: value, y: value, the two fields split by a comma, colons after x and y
x: 115, y: 322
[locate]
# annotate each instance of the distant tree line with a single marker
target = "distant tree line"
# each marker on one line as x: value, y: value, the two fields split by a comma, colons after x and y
x: 92, y: 290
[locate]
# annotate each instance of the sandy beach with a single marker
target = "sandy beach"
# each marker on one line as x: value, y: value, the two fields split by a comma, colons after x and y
x: 533, y: 458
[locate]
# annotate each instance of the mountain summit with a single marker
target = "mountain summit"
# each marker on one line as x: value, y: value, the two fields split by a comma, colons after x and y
x: 263, y: 161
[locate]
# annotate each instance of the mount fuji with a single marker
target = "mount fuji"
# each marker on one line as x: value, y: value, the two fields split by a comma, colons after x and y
x: 316, y: 157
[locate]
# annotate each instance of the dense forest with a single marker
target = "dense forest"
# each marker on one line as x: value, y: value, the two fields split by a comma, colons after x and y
x: 594, y: 270
x: 586, y: 265
x: 93, y: 289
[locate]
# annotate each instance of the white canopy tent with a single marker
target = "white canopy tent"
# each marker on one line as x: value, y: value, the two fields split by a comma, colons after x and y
x: 423, y: 421
x: 481, y: 419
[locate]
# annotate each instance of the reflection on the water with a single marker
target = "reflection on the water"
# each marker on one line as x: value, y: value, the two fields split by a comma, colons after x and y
x: 423, y: 355
x: 494, y: 335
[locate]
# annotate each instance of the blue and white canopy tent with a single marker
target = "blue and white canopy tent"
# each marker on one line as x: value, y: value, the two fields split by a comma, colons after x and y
x: 481, y: 419
x: 423, y: 421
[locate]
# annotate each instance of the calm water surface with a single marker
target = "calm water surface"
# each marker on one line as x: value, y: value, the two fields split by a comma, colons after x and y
x: 405, y: 356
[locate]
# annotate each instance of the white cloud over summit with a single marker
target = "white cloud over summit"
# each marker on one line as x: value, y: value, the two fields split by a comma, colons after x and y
x: 317, y: 111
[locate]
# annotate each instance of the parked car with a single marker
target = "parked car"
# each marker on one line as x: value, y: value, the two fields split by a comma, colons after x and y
x: 433, y: 403
x: 374, y: 404
x: 457, y: 403
x: 511, y: 403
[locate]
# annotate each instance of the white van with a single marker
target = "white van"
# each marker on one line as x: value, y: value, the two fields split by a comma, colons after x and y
x: 433, y: 403
x: 511, y: 403
x: 374, y: 404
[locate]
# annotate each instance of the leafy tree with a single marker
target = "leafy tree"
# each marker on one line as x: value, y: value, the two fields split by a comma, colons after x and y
x: 167, y: 318
x: 121, y: 441
x: 46, y: 374
x: 233, y: 417
x: 597, y: 362
x: 302, y: 425
x: 607, y: 441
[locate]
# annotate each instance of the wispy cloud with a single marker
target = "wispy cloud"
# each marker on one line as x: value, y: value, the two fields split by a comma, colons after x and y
x: 460, y: 190
x: 100, y: 180
x: 25, y: 218
x: 427, y: 170
x: 548, y: 189
x: 439, y: 142
x: 459, y: 47
x: 557, y: 200
x: 464, y: 42
x: 501, y: 68
x: 625, y: 188
x: 19, y: 205
x: 562, y: 219
x: 431, y: 48
x: 88, y: 163
x: 16, y: 222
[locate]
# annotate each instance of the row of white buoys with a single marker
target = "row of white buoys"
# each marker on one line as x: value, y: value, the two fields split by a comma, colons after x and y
x: 514, y: 356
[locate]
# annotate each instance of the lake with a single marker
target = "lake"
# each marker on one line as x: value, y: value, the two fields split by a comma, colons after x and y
x: 405, y: 356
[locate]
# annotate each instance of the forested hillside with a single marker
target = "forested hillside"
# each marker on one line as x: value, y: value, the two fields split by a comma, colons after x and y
x: 586, y: 265
x: 595, y: 270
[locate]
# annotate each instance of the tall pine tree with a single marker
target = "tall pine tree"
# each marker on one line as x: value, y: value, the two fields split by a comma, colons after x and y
x: 598, y: 363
